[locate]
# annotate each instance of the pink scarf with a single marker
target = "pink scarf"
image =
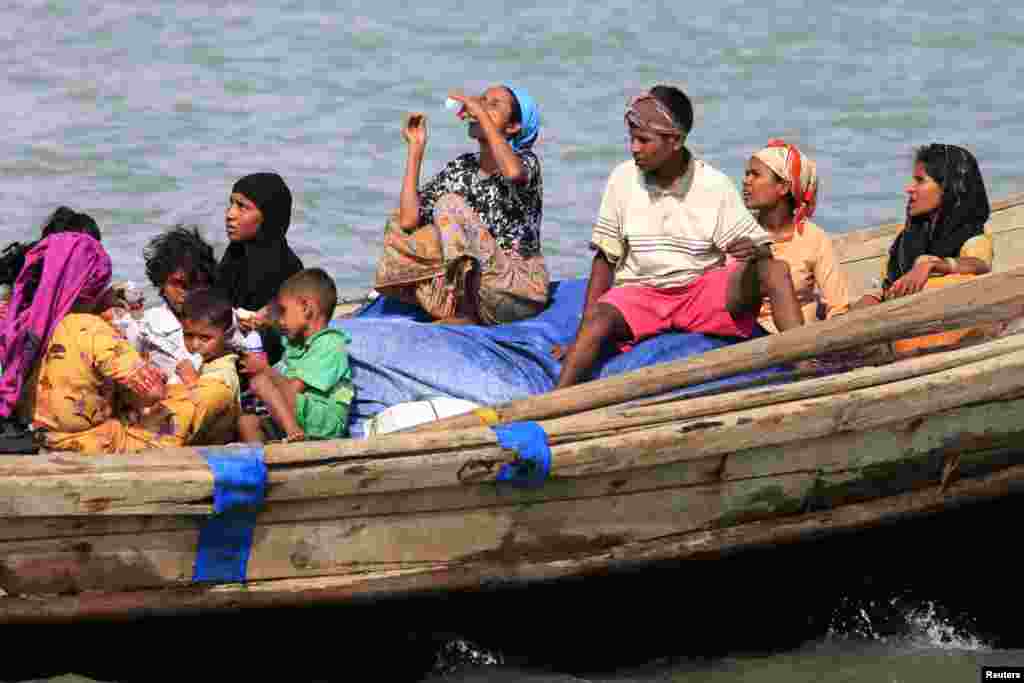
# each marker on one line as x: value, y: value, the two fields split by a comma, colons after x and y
x: 72, y: 268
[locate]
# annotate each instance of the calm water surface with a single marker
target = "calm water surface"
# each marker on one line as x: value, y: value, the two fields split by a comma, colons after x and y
x: 144, y: 113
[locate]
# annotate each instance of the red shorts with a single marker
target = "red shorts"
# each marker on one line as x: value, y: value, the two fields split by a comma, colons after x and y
x: 696, y: 307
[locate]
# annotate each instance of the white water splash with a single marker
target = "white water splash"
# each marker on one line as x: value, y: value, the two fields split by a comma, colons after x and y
x: 929, y: 630
x: 921, y: 625
x: 458, y: 654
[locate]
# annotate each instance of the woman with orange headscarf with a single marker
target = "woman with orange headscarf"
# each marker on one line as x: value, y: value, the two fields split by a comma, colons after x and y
x: 780, y: 187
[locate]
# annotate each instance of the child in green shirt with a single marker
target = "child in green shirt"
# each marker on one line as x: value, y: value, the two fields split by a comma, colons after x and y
x: 311, y: 398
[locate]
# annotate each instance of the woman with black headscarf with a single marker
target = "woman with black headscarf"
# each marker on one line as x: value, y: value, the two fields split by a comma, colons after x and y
x: 258, y: 259
x: 943, y: 241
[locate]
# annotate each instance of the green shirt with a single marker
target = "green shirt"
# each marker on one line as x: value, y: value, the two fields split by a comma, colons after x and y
x: 321, y: 362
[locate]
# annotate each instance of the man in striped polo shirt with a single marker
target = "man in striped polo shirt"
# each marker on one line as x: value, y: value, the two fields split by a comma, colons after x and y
x: 667, y: 222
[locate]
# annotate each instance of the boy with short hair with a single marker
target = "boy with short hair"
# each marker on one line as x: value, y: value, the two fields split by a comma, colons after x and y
x: 311, y: 398
x: 208, y: 324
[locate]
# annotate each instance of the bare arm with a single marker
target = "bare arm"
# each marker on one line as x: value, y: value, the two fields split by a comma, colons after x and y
x: 927, y: 266
x: 966, y: 265
x: 415, y: 134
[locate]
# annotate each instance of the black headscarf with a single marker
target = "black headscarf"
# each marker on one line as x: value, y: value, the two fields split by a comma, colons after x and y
x: 961, y: 216
x: 251, y: 272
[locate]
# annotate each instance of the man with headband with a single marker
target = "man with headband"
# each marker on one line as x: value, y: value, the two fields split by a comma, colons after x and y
x: 666, y: 224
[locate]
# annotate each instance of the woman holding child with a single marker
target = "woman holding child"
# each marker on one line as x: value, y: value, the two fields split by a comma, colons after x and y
x: 780, y: 187
x: 466, y: 247
x: 70, y: 372
x: 944, y: 240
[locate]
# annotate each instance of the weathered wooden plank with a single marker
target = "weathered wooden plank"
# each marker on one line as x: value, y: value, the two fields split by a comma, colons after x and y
x: 988, y: 298
x: 707, y: 543
x: 458, y: 497
x: 1009, y: 249
x: 654, y: 411
x: 560, y: 529
x: 88, y: 488
x: 686, y: 440
x: 811, y: 475
x: 980, y: 428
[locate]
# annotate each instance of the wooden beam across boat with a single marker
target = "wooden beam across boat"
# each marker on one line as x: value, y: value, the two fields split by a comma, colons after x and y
x: 986, y: 299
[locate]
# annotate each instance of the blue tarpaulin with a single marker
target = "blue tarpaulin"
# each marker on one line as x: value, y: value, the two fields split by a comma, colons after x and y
x: 398, y: 356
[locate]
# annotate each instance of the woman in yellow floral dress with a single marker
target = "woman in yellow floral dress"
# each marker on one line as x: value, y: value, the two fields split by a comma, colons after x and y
x: 88, y: 388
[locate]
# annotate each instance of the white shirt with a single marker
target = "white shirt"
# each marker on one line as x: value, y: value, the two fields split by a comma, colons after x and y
x: 668, y: 237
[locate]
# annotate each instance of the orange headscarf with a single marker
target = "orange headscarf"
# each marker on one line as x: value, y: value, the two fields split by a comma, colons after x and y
x: 799, y: 171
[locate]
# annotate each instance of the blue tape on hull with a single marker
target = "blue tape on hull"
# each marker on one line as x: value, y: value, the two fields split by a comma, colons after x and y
x: 530, y: 442
x: 225, y: 540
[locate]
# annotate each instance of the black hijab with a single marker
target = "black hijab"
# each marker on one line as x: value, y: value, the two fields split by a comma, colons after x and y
x: 251, y: 272
x: 962, y: 215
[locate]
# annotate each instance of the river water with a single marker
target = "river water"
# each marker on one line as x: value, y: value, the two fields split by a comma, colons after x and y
x: 144, y: 113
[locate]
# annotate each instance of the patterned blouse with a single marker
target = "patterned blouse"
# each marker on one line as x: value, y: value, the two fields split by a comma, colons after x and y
x: 512, y: 212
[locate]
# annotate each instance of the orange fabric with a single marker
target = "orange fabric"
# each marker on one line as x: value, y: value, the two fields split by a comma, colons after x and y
x: 817, y: 275
x: 939, y: 339
x: 805, y: 195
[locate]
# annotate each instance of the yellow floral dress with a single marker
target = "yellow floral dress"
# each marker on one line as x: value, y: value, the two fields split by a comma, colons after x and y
x: 82, y: 394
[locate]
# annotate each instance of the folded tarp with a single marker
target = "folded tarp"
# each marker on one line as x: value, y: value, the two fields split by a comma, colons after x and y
x: 398, y: 356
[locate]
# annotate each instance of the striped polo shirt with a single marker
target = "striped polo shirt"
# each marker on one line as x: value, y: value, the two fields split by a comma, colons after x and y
x: 659, y: 237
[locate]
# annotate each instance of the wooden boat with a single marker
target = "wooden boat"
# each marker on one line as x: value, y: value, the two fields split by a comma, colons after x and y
x: 657, y: 479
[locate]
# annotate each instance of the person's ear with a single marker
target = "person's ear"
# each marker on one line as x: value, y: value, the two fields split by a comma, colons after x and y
x: 307, y: 308
x: 786, y: 189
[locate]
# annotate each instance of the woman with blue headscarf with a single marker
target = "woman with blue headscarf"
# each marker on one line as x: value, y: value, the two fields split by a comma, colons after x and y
x: 466, y: 246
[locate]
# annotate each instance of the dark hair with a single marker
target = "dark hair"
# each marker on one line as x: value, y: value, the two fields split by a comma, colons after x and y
x: 677, y: 102
x: 935, y: 159
x: 12, y: 260
x: 210, y: 306
x: 30, y: 283
x: 65, y: 219
x: 180, y: 248
x: 314, y: 283
x: 517, y: 109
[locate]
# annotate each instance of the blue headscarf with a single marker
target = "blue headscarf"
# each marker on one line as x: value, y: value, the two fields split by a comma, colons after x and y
x: 530, y: 123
